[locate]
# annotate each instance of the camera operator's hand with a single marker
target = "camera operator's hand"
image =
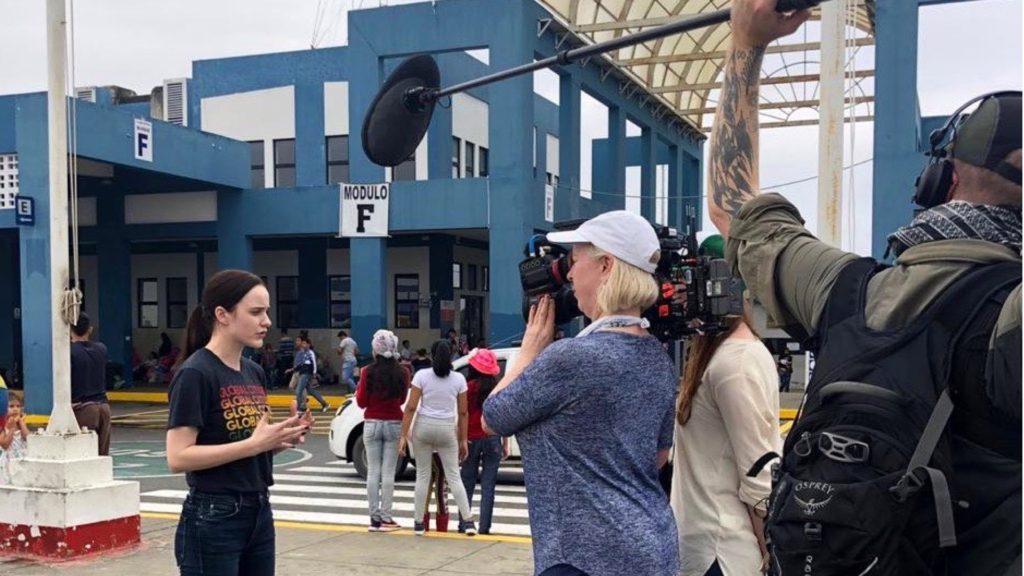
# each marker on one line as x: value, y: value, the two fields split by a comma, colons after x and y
x: 540, y: 329
x: 755, y: 23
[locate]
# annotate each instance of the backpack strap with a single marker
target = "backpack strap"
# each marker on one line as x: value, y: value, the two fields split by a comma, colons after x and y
x: 848, y: 296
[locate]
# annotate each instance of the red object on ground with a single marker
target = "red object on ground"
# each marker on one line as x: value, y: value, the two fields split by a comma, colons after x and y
x: 440, y: 496
x: 52, y: 543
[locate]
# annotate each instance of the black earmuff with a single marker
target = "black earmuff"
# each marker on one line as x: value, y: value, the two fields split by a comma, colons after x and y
x: 934, y: 182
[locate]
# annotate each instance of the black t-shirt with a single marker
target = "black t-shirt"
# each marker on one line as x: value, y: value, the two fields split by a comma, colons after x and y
x: 88, y: 372
x: 225, y: 405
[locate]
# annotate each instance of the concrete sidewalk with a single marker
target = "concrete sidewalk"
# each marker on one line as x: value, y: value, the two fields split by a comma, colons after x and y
x: 313, y: 551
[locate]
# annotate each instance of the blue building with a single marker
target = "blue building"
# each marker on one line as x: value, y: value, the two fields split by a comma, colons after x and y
x: 247, y: 154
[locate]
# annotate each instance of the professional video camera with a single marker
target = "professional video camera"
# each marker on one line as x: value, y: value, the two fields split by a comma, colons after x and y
x: 708, y: 294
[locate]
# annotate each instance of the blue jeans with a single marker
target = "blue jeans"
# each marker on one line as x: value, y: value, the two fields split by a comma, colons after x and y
x: 347, y: 370
x: 380, y: 437
x: 488, y: 452
x: 302, y: 388
x: 225, y: 535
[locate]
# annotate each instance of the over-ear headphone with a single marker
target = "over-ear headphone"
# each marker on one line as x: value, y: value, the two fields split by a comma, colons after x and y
x: 936, y: 179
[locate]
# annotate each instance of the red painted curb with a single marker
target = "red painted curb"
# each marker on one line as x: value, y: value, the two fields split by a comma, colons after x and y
x: 50, y: 543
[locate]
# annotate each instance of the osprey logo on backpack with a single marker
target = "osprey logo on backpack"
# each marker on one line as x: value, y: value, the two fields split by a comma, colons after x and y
x: 812, y: 496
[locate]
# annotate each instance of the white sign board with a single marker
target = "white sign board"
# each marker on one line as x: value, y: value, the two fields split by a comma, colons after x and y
x: 364, y: 210
x: 549, y: 203
x: 143, y: 141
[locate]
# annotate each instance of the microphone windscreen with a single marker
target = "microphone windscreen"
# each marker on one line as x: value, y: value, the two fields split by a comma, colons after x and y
x: 392, y: 128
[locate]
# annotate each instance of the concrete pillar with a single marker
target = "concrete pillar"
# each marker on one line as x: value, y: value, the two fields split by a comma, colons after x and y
x: 313, y: 289
x: 617, y: 159
x: 676, y: 179
x: 113, y: 255
x: 511, y: 169
x: 567, y: 196
x: 368, y: 256
x: 648, y: 168
x: 442, y: 254
x: 439, y: 144
x: 897, y: 160
x: 234, y: 247
x: 310, y: 143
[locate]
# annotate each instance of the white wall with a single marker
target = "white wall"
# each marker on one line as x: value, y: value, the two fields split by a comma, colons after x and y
x: 175, y: 207
x: 335, y: 108
x: 470, y: 121
x: 552, y: 154
x: 161, y: 267
x: 258, y: 115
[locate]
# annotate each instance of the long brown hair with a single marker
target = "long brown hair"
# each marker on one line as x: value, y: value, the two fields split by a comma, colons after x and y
x: 702, y: 349
x: 224, y: 290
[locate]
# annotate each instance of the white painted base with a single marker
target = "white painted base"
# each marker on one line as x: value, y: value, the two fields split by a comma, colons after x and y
x: 63, y: 483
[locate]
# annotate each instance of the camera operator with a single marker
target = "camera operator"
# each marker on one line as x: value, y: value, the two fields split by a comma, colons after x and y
x: 973, y: 224
x: 594, y: 414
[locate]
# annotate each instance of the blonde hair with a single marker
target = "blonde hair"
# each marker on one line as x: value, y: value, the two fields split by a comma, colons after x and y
x: 628, y: 287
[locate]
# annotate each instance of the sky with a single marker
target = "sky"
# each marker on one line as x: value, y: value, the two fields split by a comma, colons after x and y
x: 964, y: 49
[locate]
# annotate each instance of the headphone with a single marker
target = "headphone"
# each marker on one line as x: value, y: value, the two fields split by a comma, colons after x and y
x: 934, y: 182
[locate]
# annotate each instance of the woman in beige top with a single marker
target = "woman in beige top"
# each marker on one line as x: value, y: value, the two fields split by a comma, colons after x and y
x: 727, y: 418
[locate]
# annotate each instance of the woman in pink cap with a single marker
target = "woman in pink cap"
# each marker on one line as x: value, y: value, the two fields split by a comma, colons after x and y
x: 484, y: 449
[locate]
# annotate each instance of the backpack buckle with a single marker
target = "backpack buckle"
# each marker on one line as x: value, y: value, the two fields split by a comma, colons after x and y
x: 842, y: 449
x: 812, y: 531
x: 907, y: 486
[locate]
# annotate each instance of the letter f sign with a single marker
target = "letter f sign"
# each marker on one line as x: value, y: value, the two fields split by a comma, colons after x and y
x: 363, y: 212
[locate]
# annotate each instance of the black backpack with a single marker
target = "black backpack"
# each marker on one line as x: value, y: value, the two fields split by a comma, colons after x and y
x: 863, y: 486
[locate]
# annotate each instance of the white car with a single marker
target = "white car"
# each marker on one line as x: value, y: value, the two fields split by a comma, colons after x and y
x: 346, y: 437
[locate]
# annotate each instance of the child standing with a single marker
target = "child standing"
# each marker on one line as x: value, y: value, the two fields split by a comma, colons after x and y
x: 13, y: 436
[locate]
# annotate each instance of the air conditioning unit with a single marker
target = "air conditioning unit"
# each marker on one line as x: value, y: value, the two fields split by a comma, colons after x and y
x: 87, y: 93
x: 176, y: 101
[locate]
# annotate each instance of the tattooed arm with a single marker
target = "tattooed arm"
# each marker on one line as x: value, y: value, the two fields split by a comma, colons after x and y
x: 734, y: 138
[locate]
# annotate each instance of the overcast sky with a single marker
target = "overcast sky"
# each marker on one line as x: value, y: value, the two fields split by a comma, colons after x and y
x: 965, y: 49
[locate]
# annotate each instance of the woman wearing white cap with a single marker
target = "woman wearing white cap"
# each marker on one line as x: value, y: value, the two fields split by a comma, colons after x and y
x: 594, y: 414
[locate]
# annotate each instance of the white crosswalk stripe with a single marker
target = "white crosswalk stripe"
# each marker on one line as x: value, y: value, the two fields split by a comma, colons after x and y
x: 333, y: 493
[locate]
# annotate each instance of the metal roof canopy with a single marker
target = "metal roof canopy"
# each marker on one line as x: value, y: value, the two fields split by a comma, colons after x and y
x: 683, y: 71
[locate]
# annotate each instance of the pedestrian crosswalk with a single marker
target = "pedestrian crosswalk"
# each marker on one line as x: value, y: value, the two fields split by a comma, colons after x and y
x: 333, y: 493
x: 157, y: 419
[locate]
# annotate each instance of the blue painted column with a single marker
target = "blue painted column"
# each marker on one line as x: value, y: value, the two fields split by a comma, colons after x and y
x: 567, y: 196
x: 442, y: 255
x: 313, y: 289
x: 897, y: 160
x: 648, y: 166
x: 439, y: 144
x: 540, y: 180
x: 676, y: 165
x: 368, y: 256
x: 9, y: 299
x: 617, y: 159
x: 113, y: 255
x: 310, y: 143
x: 34, y: 245
x: 511, y: 137
x: 234, y: 247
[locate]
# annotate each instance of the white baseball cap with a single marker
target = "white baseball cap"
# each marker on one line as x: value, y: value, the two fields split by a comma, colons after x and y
x: 622, y: 234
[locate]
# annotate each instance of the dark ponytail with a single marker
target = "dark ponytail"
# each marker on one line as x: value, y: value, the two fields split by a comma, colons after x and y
x: 224, y: 290
x: 441, y: 358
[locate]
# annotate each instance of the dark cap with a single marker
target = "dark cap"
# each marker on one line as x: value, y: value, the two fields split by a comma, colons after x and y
x: 989, y: 134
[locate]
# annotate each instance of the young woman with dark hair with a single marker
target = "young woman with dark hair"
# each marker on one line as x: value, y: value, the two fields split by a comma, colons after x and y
x: 432, y: 399
x: 727, y: 418
x: 383, y: 386
x: 484, y: 449
x: 219, y: 433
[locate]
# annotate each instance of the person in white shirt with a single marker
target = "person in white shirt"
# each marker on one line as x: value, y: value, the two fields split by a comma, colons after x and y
x: 435, y: 396
x: 727, y: 418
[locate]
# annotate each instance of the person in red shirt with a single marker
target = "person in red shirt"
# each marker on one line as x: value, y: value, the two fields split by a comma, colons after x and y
x: 383, y: 387
x: 484, y: 449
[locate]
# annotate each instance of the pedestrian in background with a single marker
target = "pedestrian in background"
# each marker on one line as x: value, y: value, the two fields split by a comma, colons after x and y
x: 383, y: 387
x: 485, y: 450
x: 433, y: 399
x: 219, y: 433
x: 285, y: 358
x: 89, y: 382
x: 305, y: 366
x: 420, y: 361
x: 347, y: 349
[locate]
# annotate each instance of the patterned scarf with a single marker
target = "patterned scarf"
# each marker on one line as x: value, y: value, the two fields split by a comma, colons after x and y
x: 959, y: 219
